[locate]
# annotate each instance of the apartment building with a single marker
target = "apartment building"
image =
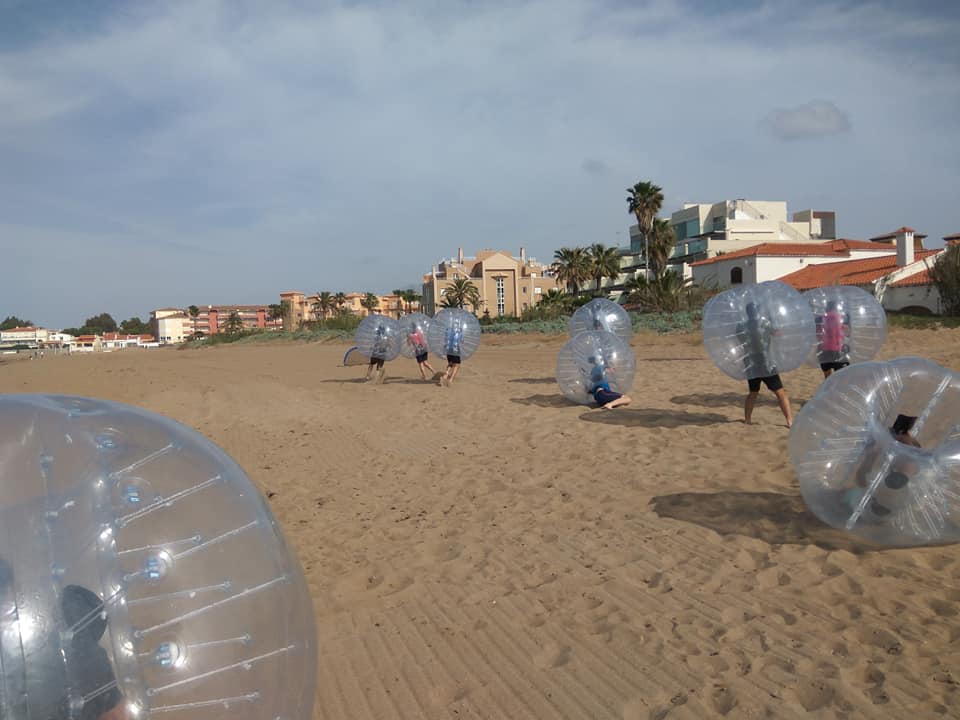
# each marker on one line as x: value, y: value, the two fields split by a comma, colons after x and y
x: 302, y: 308
x: 507, y: 285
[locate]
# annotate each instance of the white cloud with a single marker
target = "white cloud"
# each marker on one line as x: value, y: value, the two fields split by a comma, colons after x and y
x: 817, y: 118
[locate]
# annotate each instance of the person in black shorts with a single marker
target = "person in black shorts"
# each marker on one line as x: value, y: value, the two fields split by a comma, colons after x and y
x: 756, y: 334
x: 378, y: 354
x: 453, y: 343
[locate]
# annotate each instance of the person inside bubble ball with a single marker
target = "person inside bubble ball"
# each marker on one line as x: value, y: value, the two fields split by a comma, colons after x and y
x: 419, y: 345
x: 378, y: 353
x: 92, y: 675
x: 898, y: 474
x: 755, y: 335
x: 599, y: 386
x: 833, y: 329
x: 453, y: 346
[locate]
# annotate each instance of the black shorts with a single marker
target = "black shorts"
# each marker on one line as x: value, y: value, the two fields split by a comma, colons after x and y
x: 422, y: 357
x: 605, y: 396
x: 377, y: 361
x: 833, y: 366
x: 773, y: 383
x: 453, y: 359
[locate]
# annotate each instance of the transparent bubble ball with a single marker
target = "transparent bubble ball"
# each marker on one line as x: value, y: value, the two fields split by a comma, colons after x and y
x: 854, y: 474
x: 601, y: 314
x: 758, y: 330
x: 851, y: 325
x: 378, y: 337
x: 592, y: 357
x: 414, y: 331
x: 141, y: 570
x: 454, y: 331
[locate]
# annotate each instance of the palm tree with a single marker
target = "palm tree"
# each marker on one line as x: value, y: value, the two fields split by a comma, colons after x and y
x: 572, y: 267
x: 552, y: 297
x: 411, y: 297
x: 324, y: 304
x: 644, y: 201
x: 604, y: 263
x: 340, y: 299
x: 234, y: 323
x: 194, y: 312
x: 462, y: 292
x: 662, y: 242
x: 370, y: 301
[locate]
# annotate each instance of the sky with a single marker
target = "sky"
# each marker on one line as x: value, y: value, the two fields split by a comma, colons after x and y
x: 222, y: 151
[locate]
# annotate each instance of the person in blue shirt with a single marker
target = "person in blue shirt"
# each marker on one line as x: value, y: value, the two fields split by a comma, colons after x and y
x: 599, y: 387
x: 453, y: 346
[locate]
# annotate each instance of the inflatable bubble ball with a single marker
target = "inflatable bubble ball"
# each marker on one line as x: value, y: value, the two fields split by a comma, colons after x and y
x: 454, y: 331
x: 414, y: 330
x: 877, y: 452
x: 851, y: 325
x: 378, y: 337
x: 141, y: 572
x: 591, y: 358
x: 758, y: 330
x: 602, y: 314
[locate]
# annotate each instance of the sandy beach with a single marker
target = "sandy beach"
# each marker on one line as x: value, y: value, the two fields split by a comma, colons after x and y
x: 491, y: 551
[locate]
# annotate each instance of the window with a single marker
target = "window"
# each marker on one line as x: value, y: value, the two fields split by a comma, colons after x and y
x: 537, y: 291
x: 524, y: 289
x: 736, y: 276
x: 501, y: 305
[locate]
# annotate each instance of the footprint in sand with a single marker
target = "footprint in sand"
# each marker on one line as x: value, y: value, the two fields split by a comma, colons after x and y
x: 723, y: 700
x: 553, y: 655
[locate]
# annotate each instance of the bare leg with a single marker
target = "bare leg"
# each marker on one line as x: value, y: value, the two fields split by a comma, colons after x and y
x: 369, y: 370
x: 748, y: 404
x: 454, y: 369
x: 784, y: 403
x: 429, y: 367
x: 827, y: 373
x: 622, y: 400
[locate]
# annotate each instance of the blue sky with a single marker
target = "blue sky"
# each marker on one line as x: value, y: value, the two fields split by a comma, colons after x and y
x: 176, y: 153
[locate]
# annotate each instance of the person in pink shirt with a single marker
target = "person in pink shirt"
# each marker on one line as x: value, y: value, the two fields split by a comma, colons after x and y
x: 419, y: 344
x: 832, y: 332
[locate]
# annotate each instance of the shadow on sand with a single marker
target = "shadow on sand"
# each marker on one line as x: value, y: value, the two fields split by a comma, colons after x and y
x: 641, y: 417
x: 723, y: 400
x: 535, y: 381
x: 672, y: 359
x: 548, y: 401
x: 774, y: 518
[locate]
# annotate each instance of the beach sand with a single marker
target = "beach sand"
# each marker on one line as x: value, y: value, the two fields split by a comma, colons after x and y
x: 491, y: 551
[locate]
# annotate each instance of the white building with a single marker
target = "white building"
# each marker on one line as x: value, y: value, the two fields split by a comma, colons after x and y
x: 771, y: 261
x: 170, y: 325
x: 32, y: 336
x: 900, y: 281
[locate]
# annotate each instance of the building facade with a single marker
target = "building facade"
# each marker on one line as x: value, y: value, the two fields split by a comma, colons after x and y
x: 771, y: 261
x: 507, y: 285
x: 300, y: 308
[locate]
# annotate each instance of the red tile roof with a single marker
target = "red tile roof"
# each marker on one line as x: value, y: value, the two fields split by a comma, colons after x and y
x: 894, y: 233
x: 920, y: 278
x: 848, y: 272
x: 831, y: 248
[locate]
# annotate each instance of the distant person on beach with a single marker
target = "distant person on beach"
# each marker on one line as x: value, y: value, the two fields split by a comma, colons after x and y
x: 453, y: 346
x: 378, y: 354
x: 599, y: 385
x: 755, y: 335
x: 419, y: 343
x: 833, y: 328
